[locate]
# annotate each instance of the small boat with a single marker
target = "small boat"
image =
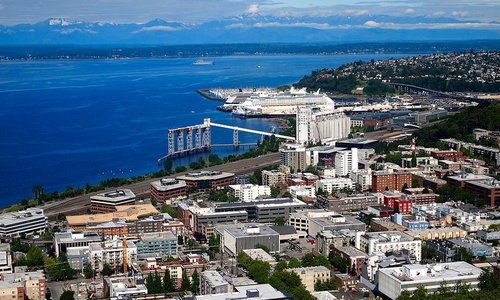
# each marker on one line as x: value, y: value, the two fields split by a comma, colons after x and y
x: 203, y: 62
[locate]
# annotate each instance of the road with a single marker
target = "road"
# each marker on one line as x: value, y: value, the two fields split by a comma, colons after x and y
x: 81, y: 203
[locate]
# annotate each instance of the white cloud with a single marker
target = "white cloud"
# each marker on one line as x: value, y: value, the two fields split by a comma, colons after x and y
x: 439, y: 14
x: 253, y: 9
x: 409, y: 11
x: 460, y: 14
x: 299, y: 24
x: 372, y: 24
x: 355, y: 12
x: 469, y: 25
x: 157, y: 28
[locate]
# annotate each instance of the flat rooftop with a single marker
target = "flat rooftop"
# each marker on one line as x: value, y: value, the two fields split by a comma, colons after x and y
x: 435, y: 230
x: 248, y: 292
x: 205, y: 175
x: 250, y: 230
x: 114, y: 196
x: 127, y: 212
x: 7, y: 219
x: 166, y: 184
x: 351, y: 251
x: 469, y: 177
x: 486, y: 184
x: 214, y: 278
x: 433, y: 273
x: 389, y: 236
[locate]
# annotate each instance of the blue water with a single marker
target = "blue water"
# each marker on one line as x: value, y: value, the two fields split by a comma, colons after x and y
x: 81, y: 121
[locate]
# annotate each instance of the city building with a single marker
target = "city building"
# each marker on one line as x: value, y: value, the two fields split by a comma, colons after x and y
x: 347, y: 204
x: 294, y: 157
x: 334, y: 223
x: 253, y: 291
x: 378, y: 224
x: 438, y: 233
x: 360, y: 143
x: 303, y: 192
x: 78, y: 257
x: 159, y: 244
x: 331, y: 185
x: 23, y: 285
x: 127, y: 213
x: 259, y: 254
x: 310, y: 275
x: 111, y: 252
x: 263, y: 210
x: 5, y: 259
x: 328, y: 239
x: 274, y: 178
x: 321, y: 126
x: 211, y: 282
x: 489, y: 190
x: 460, y: 180
x: 65, y: 240
x: 248, y: 192
x: 204, y: 181
x: 346, y: 161
x: 300, y: 220
x: 354, y: 256
x: 187, y: 264
x: 109, y: 201
x: 24, y: 221
x: 389, y: 241
x: 362, y: 178
x: 167, y: 189
x: 393, y: 281
x: 382, y: 181
x: 235, y: 239
x: 116, y: 288
x: 474, y: 247
x: 202, y: 219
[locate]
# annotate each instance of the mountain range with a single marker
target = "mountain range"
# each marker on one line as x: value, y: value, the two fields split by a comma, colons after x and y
x: 248, y: 29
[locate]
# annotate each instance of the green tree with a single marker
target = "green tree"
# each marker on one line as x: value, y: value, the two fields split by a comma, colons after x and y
x: 311, y: 260
x: 168, y: 284
x: 180, y: 240
x: 279, y: 221
x: 263, y: 247
x: 106, y: 270
x: 281, y: 265
x: 186, y: 284
x: 34, y: 257
x: 294, y: 263
x: 67, y: 295
x: 195, y: 283
x: 275, y: 192
x: 37, y: 191
x: 259, y: 271
x: 88, y: 272
x: 165, y: 208
x: 339, y: 263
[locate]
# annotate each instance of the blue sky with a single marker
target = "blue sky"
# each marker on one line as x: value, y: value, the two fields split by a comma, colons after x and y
x: 196, y: 11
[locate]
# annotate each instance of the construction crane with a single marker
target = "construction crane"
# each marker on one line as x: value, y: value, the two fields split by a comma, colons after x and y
x: 125, y: 258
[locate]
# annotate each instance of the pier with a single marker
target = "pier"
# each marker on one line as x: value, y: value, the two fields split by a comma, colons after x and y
x: 197, y: 138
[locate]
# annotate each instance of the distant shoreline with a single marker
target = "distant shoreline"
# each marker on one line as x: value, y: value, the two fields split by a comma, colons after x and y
x: 112, y: 52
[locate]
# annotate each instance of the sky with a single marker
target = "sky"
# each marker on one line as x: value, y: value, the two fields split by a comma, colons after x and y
x: 197, y: 11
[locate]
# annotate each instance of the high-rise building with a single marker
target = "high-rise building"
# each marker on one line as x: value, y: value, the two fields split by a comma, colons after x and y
x: 346, y: 161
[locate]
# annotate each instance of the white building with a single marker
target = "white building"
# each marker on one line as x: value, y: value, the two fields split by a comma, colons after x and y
x: 386, y: 241
x: 111, y: 253
x: 302, y: 191
x: 331, y: 185
x: 5, y: 259
x: 346, y: 161
x: 124, y: 288
x: 300, y: 219
x: 362, y: 178
x: 310, y: 275
x: 248, y: 192
x: 24, y: 221
x: 320, y: 126
x: 392, y: 281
